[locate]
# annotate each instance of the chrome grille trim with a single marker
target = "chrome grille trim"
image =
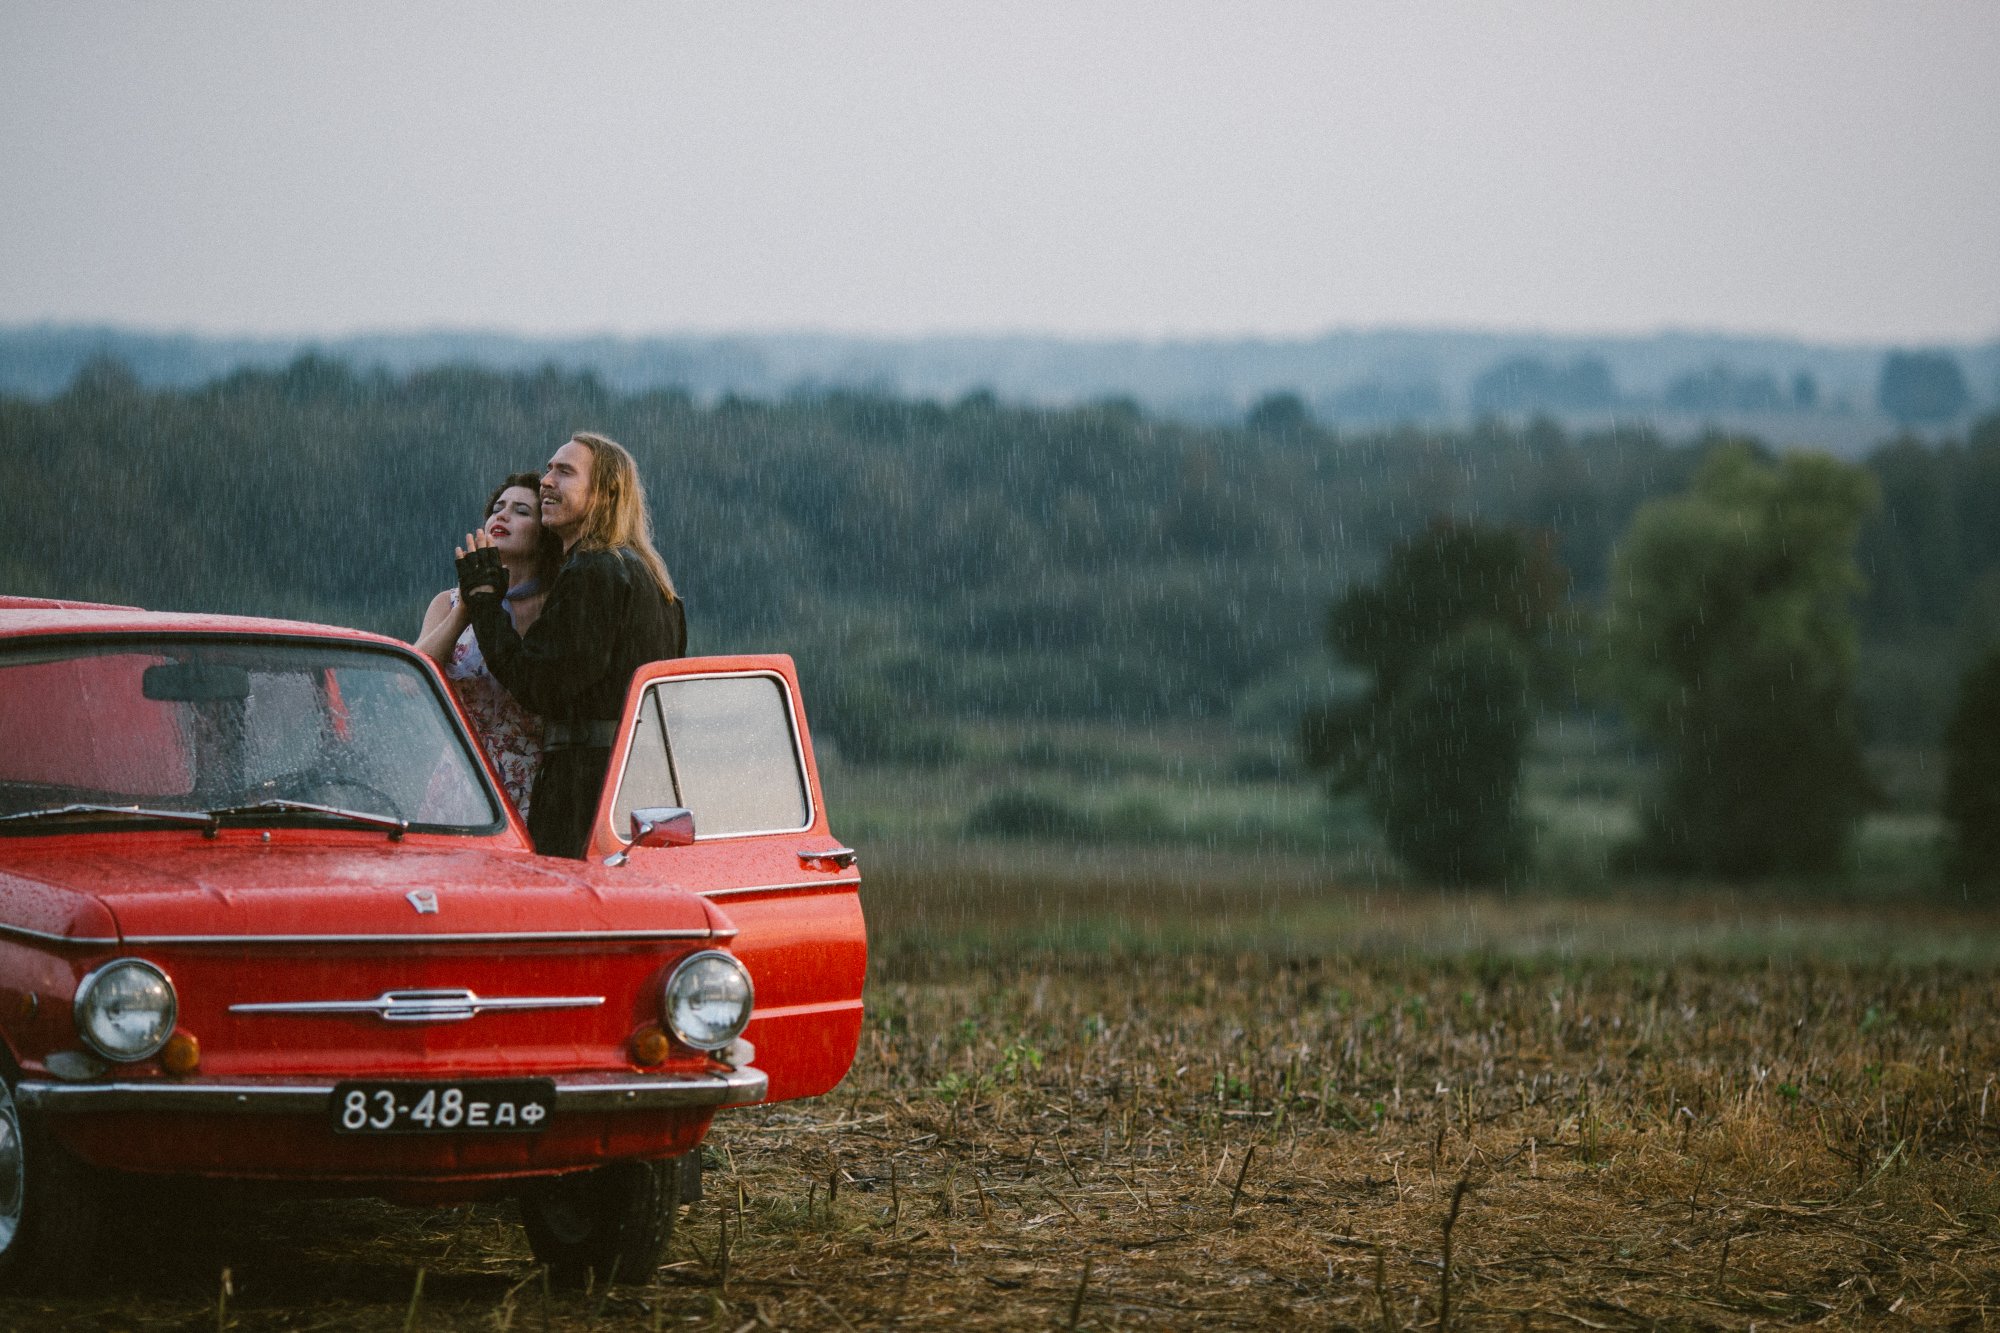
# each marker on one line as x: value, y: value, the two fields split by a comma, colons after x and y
x: 422, y: 1006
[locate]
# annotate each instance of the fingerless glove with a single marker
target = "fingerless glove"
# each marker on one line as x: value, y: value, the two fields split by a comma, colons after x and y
x: 480, y: 574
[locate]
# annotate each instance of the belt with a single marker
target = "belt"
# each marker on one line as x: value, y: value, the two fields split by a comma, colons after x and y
x: 579, y: 735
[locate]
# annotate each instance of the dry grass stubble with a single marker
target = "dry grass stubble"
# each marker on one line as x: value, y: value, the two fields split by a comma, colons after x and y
x: 1038, y: 1137
x: 1225, y: 1143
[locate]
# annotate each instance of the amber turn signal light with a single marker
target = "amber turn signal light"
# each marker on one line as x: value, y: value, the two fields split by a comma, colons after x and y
x: 181, y: 1054
x: 650, y: 1046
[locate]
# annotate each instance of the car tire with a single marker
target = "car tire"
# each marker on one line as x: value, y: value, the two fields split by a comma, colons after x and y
x: 611, y: 1224
x: 50, y: 1206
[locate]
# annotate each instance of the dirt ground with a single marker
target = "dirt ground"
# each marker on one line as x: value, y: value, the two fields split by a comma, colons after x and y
x: 1388, y: 1138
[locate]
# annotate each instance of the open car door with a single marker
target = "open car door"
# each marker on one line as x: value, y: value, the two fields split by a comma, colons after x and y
x: 725, y: 738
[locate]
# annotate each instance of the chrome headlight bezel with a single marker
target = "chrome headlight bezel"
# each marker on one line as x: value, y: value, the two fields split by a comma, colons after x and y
x: 91, y: 988
x: 686, y: 974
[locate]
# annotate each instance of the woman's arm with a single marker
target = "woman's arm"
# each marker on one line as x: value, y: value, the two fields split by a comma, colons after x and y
x: 443, y: 623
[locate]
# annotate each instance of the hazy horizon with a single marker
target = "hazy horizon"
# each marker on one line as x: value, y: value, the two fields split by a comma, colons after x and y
x: 1150, y: 171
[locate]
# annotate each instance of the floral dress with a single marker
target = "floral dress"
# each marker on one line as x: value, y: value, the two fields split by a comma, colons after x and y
x: 509, y: 733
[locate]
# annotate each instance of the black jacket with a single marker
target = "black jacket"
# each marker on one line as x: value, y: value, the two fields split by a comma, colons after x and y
x: 604, y: 619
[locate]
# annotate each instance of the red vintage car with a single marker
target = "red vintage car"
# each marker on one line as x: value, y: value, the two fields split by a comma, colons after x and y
x: 265, y: 915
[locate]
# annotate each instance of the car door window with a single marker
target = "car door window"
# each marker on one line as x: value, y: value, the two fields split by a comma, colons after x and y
x: 722, y: 746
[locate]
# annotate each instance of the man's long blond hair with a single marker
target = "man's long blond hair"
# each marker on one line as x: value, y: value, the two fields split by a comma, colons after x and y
x: 615, y: 513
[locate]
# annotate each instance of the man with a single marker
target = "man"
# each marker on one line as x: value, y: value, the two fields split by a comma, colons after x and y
x: 611, y: 610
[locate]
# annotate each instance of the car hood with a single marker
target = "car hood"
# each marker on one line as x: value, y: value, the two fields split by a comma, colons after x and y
x: 199, y: 889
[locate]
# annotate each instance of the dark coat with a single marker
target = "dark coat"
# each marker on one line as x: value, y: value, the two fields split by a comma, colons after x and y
x: 603, y: 619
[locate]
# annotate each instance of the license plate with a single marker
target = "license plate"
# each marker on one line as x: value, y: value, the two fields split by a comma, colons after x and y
x: 483, y: 1106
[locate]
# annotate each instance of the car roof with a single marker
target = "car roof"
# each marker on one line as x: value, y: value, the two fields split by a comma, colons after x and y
x: 47, y: 615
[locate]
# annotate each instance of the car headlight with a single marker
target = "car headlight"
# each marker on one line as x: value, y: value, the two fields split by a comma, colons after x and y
x: 125, y: 1010
x: 707, y: 1000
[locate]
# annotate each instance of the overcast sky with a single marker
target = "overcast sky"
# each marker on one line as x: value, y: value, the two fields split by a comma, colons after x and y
x: 1812, y: 167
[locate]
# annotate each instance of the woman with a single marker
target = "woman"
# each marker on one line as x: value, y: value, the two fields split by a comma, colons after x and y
x: 510, y: 735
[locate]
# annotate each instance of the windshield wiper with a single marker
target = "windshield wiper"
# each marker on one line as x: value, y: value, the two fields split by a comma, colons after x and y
x: 83, y: 810
x: 279, y: 806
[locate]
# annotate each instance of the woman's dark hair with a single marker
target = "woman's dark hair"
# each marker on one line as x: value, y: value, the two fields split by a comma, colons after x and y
x: 549, y: 547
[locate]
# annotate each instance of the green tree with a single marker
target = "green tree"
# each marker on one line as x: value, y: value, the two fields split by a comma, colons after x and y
x: 1732, y: 644
x: 1972, y: 780
x: 1456, y: 636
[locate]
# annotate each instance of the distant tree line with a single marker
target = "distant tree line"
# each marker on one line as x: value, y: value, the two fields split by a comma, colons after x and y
x: 1354, y: 378
x: 1914, y: 388
x: 925, y: 560
x: 1723, y: 388
x: 1530, y: 383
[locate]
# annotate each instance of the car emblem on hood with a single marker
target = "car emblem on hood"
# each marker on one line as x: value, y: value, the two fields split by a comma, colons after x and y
x: 424, y: 900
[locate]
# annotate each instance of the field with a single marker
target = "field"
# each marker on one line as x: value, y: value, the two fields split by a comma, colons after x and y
x: 1236, y: 786
x: 1100, y: 1089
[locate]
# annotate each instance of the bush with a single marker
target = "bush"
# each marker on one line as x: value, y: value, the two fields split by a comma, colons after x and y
x: 1018, y: 812
x: 871, y: 723
x: 1136, y: 819
x: 908, y: 744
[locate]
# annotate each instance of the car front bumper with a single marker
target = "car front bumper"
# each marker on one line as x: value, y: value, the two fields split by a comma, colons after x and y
x: 574, y: 1092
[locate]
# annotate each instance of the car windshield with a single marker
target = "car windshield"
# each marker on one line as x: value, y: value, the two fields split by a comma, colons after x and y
x: 201, y: 724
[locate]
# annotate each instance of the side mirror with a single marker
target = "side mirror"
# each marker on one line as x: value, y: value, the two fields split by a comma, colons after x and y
x: 656, y: 826
x: 662, y: 826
